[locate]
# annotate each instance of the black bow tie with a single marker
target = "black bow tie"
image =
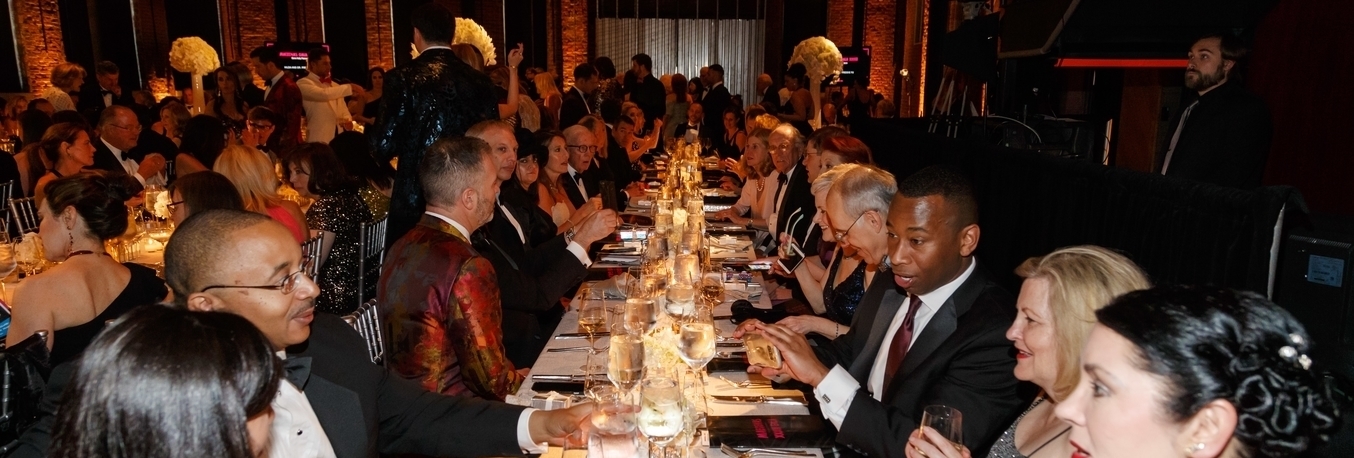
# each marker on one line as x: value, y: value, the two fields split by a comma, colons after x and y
x: 268, y: 82
x: 298, y: 371
x: 781, y: 178
x: 106, y: 92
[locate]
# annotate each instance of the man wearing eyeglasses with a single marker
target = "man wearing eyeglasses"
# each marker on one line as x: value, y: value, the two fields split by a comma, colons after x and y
x: 793, y: 195
x: 580, y: 144
x: 119, y: 131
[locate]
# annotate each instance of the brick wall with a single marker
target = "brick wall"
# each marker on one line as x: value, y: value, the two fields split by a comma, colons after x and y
x: 246, y: 24
x: 307, y: 22
x: 841, y: 17
x: 380, y: 35
x: 40, y: 41
x: 880, y: 20
x: 575, y: 25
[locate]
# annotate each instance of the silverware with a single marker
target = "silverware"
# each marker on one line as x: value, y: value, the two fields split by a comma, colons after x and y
x: 580, y: 335
x: 746, y: 383
x: 572, y: 349
x: 761, y: 399
x: 730, y: 451
x: 566, y: 378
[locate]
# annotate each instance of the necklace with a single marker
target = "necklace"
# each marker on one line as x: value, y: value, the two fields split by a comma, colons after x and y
x: 82, y: 252
x: 761, y: 184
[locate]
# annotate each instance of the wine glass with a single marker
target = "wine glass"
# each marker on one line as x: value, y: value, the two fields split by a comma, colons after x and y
x: 591, y: 320
x: 946, y: 420
x: 681, y: 300
x: 712, y: 288
x: 661, y: 416
x: 696, y: 340
x: 613, y: 431
x: 7, y: 262
x: 625, y: 365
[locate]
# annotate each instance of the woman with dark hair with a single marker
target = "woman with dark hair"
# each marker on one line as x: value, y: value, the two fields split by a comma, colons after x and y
x: 164, y: 382
x: 338, y: 213
x: 199, y: 192
x: 608, y: 88
x: 377, y: 177
x: 797, y: 109
x: 735, y: 138
x: 229, y: 105
x: 522, y: 189
x: 67, y: 147
x: 1199, y: 372
x: 678, y: 101
x: 73, y: 300
x: 813, y: 152
x: 203, y: 139
x: 33, y: 124
x: 369, y: 105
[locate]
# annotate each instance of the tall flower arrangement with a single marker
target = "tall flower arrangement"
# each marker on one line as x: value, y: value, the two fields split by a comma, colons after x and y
x: 193, y: 56
x: 469, y: 32
x: 821, y: 60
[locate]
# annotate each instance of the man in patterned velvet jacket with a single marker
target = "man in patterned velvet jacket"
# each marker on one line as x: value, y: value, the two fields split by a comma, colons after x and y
x: 438, y: 296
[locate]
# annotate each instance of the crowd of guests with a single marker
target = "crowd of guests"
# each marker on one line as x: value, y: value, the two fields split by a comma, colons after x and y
x: 493, y: 201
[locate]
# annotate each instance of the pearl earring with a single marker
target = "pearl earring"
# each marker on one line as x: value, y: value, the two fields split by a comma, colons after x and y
x: 1194, y: 448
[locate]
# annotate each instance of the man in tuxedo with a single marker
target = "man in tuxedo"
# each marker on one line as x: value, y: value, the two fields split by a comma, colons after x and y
x: 433, y: 96
x: 334, y: 402
x: 575, y: 105
x: 119, y: 133
x: 935, y: 334
x: 281, y: 94
x: 648, y: 93
x: 531, y: 279
x: 580, y: 144
x: 794, y: 205
x: 715, y: 100
x: 326, y: 113
x: 1222, y: 136
x: 770, y: 98
x: 695, y: 120
x: 95, y: 98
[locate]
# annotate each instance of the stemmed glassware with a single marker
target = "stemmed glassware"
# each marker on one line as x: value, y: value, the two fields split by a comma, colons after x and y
x: 591, y: 321
x: 661, y: 415
x: 7, y: 261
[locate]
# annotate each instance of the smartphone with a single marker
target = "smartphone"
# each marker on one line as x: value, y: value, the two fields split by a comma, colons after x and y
x: 761, y: 352
x: 792, y: 258
x: 607, y: 189
x: 759, y: 266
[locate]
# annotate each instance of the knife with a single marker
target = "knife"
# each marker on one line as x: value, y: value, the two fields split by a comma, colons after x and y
x: 735, y: 344
x: 565, y: 378
x: 566, y: 349
x: 580, y: 335
x: 762, y: 399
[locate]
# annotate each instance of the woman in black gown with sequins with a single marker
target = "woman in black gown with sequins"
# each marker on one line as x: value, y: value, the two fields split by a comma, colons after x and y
x: 338, y: 212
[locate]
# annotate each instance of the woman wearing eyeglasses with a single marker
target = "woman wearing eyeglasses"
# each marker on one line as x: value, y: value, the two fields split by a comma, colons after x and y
x: 74, y: 299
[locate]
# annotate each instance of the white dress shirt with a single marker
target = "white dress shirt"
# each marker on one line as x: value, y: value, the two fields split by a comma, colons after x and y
x: 573, y: 247
x: 296, y: 430
x: 782, y: 189
x: 836, y: 391
x: 107, y: 96
x: 577, y: 178
x: 131, y: 166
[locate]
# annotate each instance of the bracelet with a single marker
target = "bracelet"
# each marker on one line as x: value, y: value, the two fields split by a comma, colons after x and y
x: 838, y: 331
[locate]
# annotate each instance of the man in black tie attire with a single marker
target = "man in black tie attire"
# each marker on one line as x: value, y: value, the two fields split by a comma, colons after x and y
x: 932, y: 334
x: 575, y: 105
x: 648, y: 93
x: 94, y: 98
x: 715, y: 100
x: 793, y: 197
x: 335, y: 402
x: 695, y: 120
x: 581, y: 145
x: 531, y: 278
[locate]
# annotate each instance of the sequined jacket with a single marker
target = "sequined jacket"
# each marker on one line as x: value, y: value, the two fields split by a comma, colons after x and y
x: 440, y: 300
x: 434, y: 96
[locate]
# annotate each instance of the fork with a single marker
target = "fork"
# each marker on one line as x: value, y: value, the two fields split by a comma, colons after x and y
x: 745, y: 383
x: 730, y: 451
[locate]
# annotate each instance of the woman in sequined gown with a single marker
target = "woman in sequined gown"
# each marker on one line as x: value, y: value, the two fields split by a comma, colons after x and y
x: 377, y: 178
x: 1055, y: 312
x: 338, y: 212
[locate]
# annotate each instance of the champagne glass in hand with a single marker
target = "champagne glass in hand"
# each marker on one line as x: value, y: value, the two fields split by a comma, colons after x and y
x: 947, y: 421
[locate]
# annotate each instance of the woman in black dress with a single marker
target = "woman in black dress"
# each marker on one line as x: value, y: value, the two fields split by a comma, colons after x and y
x: 371, y: 105
x: 338, y: 213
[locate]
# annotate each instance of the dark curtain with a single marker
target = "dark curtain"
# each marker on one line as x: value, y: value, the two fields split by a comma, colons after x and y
x: 1030, y: 204
x: 1301, y: 67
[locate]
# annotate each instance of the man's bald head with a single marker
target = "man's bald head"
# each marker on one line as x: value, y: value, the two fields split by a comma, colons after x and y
x: 201, y: 244
x: 580, y: 143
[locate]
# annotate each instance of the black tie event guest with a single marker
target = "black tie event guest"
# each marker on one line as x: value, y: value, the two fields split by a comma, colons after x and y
x: 119, y: 131
x: 228, y: 104
x: 936, y: 334
x: 338, y: 213
x: 813, y: 152
x: 608, y: 86
x: 715, y: 99
x: 770, y: 97
x: 255, y: 178
x: 66, y: 79
x: 203, y: 140
x: 280, y: 93
x: 252, y: 94
x: 793, y: 196
x: 678, y: 100
x: 167, y: 382
x: 261, y: 132
x: 623, y: 167
x: 735, y: 137
x: 1222, y: 133
x: 437, y: 293
x: 173, y: 117
x: 756, y: 205
x: 73, y: 300
x: 1201, y: 372
x: 581, y: 147
x: 322, y: 98
x: 798, y: 110
x: 375, y: 177
x: 95, y: 98
x: 433, y: 96
x: 555, y: 195
x: 695, y: 121
x: 67, y: 147
x: 1056, y: 310
x: 648, y: 92
x: 576, y: 99
x: 531, y: 278
x: 200, y: 192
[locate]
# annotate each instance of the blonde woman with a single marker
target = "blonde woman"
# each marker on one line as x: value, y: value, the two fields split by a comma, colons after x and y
x: 173, y: 117
x: 66, y: 80
x: 255, y: 177
x: 551, y: 100
x: 756, y: 203
x: 1055, y: 313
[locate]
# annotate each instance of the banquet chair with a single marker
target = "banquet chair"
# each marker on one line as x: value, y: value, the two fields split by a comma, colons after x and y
x: 367, y: 321
x: 24, y: 213
x: 24, y: 369
x: 370, y: 254
x: 311, y: 249
x: 169, y: 170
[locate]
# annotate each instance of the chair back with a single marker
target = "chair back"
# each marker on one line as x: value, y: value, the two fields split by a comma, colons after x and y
x: 311, y: 249
x: 25, y: 367
x: 169, y: 170
x: 370, y: 255
x: 367, y: 321
x: 7, y: 189
x: 24, y: 213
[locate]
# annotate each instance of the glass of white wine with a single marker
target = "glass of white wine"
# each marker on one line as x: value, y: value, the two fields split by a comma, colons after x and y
x: 946, y: 420
x: 625, y: 361
x: 696, y: 341
x: 591, y: 321
x: 7, y: 262
x: 661, y: 415
x: 712, y: 288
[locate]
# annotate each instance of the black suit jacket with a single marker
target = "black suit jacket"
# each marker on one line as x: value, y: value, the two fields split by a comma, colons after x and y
x: 961, y: 359
x: 651, y: 97
x: 91, y: 101
x: 702, y: 131
x: 573, y: 108
x: 365, y: 410
x: 104, y: 159
x: 796, y: 212
x: 1225, y: 141
x: 714, y: 103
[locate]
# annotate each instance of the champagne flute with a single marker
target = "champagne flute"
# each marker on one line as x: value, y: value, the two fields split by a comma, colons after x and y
x: 946, y: 420
x: 591, y: 320
x: 625, y: 366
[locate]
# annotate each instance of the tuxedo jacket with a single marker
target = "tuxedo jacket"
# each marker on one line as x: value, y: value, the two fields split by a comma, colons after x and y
x: 285, y: 101
x: 702, y: 130
x: 796, y: 212
x: 1225, y: 141
x: 714, y: 102
x: 104, y: 159
x: 91, y: 101
x: 573, y: 108
x: 324, y: 107
x: 365, y: 410
x: 960, y: 359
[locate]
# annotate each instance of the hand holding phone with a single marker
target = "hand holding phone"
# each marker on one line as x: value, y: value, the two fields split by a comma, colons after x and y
x: 791, y: 258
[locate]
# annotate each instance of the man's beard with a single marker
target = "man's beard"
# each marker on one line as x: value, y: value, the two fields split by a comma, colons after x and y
x: 1203, y: 80
x: 485, y: 213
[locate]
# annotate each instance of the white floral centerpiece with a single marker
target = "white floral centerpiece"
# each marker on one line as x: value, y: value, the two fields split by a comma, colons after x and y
x: 821, y: 60
x: 159, y: 204
x: 193, y: 56
x: 469, y: 32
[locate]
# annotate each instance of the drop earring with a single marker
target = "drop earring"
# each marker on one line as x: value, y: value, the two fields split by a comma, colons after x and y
x: 1194, y: 448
